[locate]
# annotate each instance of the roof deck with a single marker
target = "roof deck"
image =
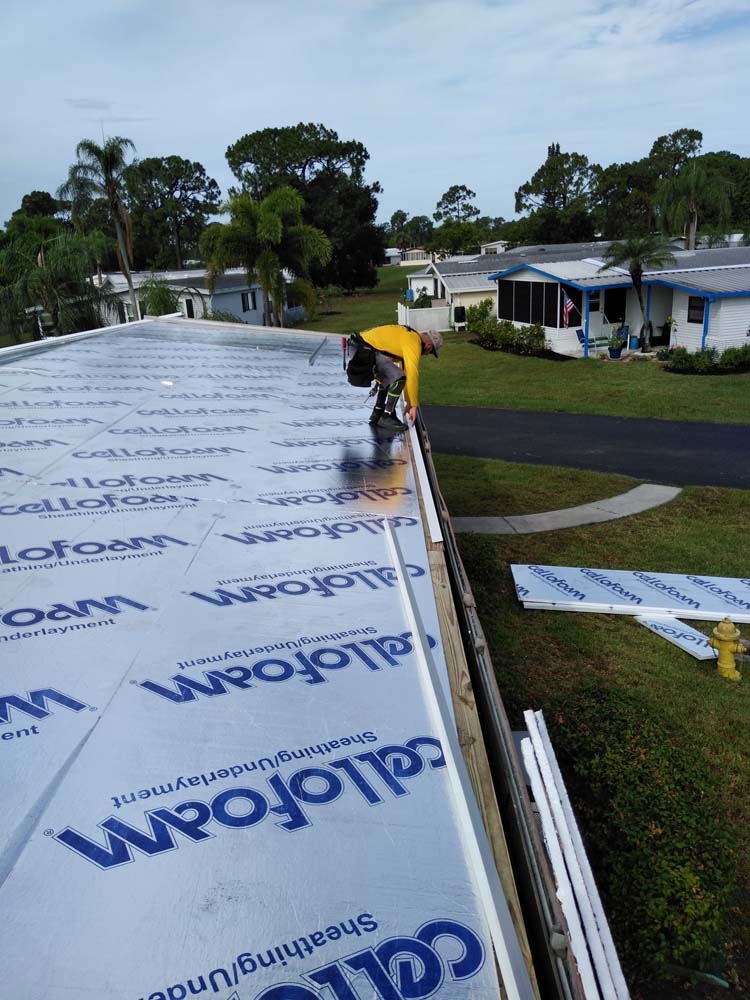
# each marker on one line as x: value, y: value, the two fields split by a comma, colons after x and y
x: 234, y: 679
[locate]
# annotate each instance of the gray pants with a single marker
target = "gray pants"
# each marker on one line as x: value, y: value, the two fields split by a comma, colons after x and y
x: 386, y: 369
x: 391, y: 379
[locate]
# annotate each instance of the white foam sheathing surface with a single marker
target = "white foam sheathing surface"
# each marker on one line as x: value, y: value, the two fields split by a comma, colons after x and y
x: 625, y: 592
x: 220, y: 777
x: 683, y: 636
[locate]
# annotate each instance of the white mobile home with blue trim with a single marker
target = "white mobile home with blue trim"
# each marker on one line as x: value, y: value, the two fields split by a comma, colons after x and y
x: 700, y: 300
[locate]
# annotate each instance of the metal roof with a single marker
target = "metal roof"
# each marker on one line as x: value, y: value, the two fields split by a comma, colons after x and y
x: 491, y: 263
x: 716, y: 281
x: 235, y: 277
x: 468, y: 283
x: 485, y: 263
x: 689, y: 260
x: 586, y: 249
x: 573, y: 270
x: 719, y: 271
x: 579, y: 273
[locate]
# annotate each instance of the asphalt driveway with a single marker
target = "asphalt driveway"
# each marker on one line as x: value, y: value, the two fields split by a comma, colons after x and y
x: 678, y: 453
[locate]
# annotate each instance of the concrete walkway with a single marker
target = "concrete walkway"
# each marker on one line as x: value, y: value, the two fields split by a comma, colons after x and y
x: 635, y: 501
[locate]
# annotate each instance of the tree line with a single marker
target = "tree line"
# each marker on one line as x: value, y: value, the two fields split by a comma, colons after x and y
x: 301, y: 204
x: 676, y: 188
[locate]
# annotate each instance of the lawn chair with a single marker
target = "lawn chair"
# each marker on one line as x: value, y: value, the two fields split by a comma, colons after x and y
x: 595, y: 343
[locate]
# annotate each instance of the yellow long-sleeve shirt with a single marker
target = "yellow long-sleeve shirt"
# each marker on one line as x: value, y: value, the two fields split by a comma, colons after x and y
x: 404, y: 344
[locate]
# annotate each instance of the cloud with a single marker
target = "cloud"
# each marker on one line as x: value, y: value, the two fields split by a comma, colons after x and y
x: 440, y: 92
x: 88, y: 103
x: 123, y: 118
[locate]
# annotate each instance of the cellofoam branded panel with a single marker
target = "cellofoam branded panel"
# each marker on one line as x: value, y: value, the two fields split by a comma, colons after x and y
x: 566, y: 588
x: 221, y: 777
x: 680, y: 635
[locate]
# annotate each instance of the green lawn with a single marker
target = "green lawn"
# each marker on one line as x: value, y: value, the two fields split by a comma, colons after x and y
x: 466, y: 375
x: 620, y: 700
x: 488, y: 488
x: 366, y: 307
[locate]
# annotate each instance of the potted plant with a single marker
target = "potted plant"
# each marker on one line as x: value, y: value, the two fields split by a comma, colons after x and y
x: 670, y: 326
x: 616, y: 343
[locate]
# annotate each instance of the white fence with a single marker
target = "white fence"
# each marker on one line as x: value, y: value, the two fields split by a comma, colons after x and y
x: 422, y: 320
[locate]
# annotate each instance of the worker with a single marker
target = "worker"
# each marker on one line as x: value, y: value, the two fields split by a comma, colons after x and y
x: 398, y: 351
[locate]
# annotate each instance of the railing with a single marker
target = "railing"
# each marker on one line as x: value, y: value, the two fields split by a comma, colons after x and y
x: 422, y: 320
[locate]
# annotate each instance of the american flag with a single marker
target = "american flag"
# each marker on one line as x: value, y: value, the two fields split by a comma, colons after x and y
x: 568, y: 308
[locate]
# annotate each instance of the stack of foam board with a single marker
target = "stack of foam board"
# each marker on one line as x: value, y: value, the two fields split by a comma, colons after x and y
x: 589, y: 934
x: 638, y: 593
x: 222, y: 776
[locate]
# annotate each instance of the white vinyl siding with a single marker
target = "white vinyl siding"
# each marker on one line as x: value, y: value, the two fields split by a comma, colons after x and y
x: 472, y: 298
x: 416, y: 282
x: 690, y: 335
x: 734, y: 323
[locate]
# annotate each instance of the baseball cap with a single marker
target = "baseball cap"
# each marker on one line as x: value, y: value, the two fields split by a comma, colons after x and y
x: 437, y: 340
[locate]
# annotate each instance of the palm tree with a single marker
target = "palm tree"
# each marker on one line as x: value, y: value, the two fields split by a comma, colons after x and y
x: 639, y: 254
x: 54, y: 279
x: 266, y: 238
x: 97, y: 175
x: 678, y: 200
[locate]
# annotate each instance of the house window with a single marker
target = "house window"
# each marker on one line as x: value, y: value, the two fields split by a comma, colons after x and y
x: 595, y: 300
x: 248, y: 302
x: 696, y: 308
x: 491, y: 250
x: 528, y: 302
x: 189, y: 311
x: 537, y: 302
x: 505, y: 299
x: 551, y: 295
x: 522, y: 304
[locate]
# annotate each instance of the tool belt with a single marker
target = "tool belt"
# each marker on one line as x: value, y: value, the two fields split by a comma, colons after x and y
x: 360, y: 371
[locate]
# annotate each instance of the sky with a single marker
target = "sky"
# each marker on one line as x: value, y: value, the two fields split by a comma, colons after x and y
x: 462, y: 92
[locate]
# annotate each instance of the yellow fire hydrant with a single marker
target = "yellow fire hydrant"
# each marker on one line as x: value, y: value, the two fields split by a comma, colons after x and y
x: 726, y: 640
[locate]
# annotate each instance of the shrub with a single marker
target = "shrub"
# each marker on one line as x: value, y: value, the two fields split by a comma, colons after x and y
x: 708, y: 362
x: 505, y: 336
x: 488, y: 333
x: 422, y: 301
x: 735, y: 359
x: 477, y: 315
x: 528, y: 340
x: 684, y: 362
x: 329, y: 292
x: 222, y: 316
x: 654, y: 822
